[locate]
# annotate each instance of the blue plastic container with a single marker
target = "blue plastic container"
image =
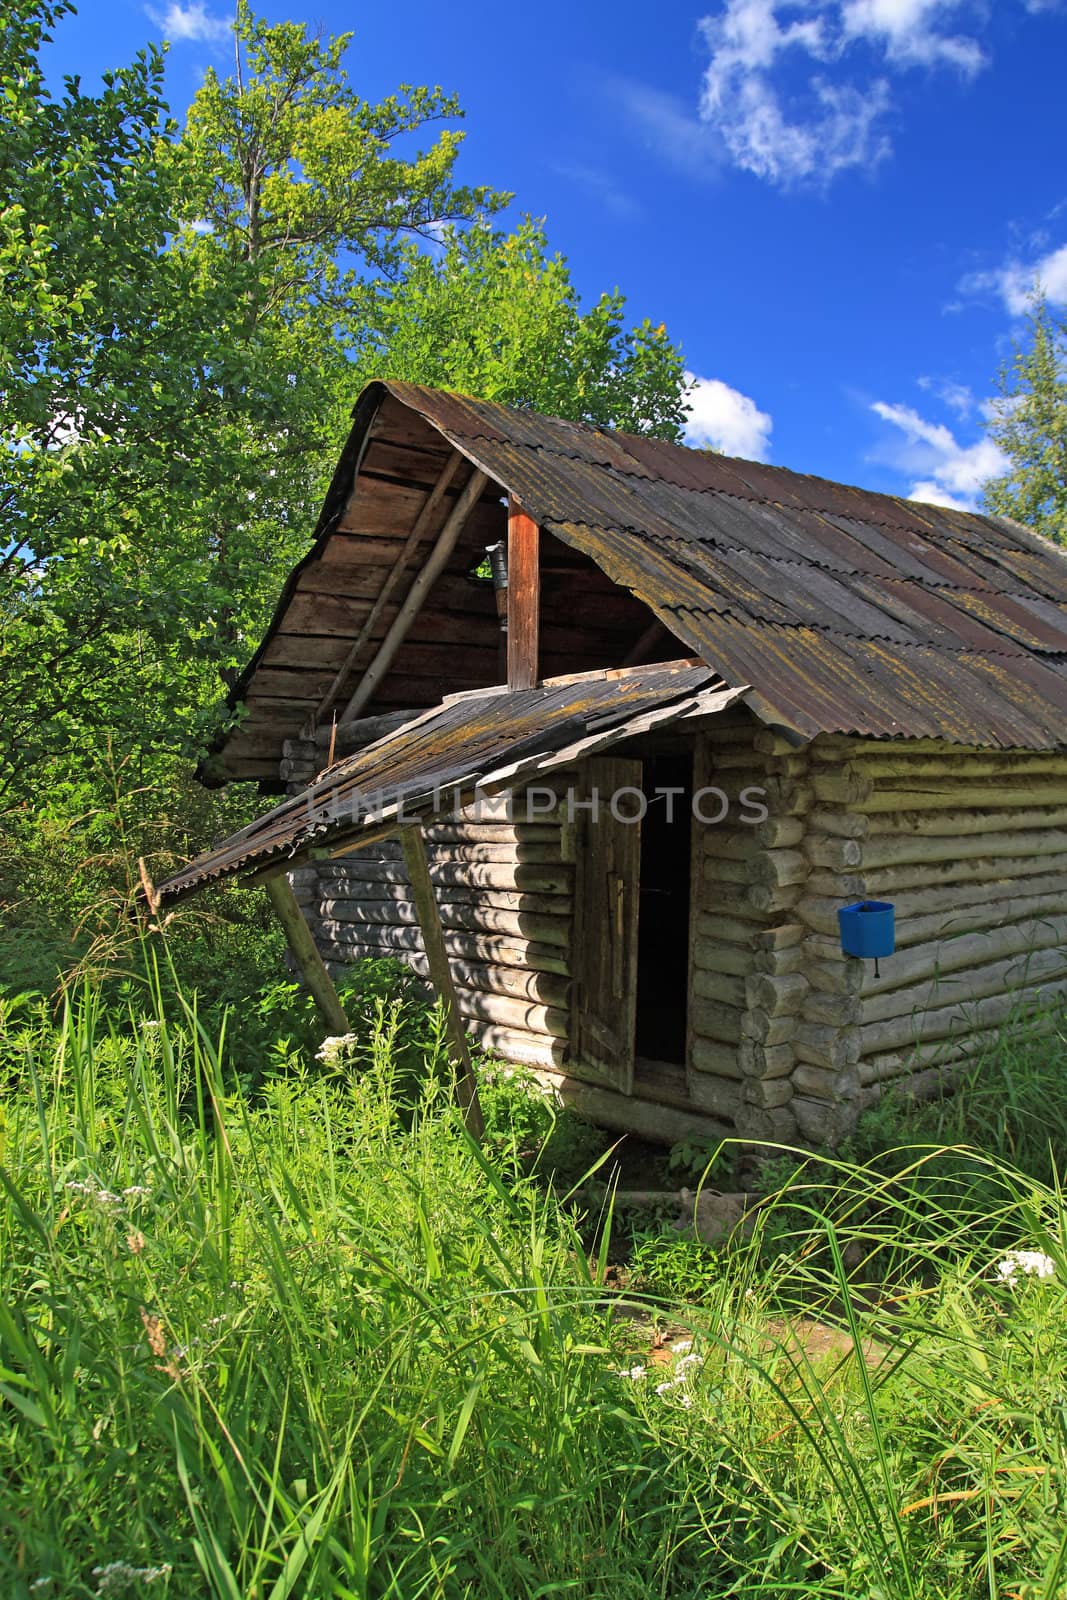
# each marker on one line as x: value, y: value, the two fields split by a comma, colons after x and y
x: 867, y: 928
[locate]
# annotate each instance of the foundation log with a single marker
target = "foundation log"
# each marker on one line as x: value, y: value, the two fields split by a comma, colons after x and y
x: 821, y: 1123
x: 515, y: 1044
x: 775, y: 1125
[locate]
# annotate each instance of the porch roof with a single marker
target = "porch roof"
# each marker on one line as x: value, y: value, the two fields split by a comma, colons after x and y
x: 490, y: 741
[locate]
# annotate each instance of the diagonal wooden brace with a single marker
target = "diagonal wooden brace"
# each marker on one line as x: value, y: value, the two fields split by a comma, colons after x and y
x: 305, y: 953
x: 441, y: 975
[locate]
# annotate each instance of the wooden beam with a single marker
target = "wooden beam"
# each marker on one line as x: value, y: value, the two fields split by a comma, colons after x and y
x: 441, y: 975
x: 420, y: 588
x: 645, y: 645
x: 422, y: 522
x: 305, y: 954
x: 524, y: 598
x: 353, y: 736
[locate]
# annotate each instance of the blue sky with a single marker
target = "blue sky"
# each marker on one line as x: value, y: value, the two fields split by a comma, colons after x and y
x: 837, y: 206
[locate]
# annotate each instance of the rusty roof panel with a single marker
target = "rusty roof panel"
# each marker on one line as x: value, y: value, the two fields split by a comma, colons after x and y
x: 1005, y: 613
x: 447, y: 751
x: 934, y: 615
x: 465, y: 420
x: 1016, y: 569
x: 846, y: 610
x: 887, y: 691
x: 699, y: 470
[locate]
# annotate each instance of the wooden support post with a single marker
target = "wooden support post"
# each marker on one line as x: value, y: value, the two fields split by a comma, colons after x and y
x: 441, y: 975
x: 420, y: 588
x: 305, y: 954
x: 524, y: 598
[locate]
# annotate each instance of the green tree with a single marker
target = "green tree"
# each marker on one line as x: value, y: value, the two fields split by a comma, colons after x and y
x: 298, y: 197
x: 90, y: 367
x: 186, y: 319
x: 497, y: 316
x: 1029, y: 424
x: 175, y: 333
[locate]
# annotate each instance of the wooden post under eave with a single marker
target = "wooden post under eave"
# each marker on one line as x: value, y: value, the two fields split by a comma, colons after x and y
x: 305, y: 954
x: 524, y: 598
x: 441, y: 975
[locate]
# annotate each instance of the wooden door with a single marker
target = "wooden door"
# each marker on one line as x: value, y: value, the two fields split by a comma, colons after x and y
x: 604, y: 953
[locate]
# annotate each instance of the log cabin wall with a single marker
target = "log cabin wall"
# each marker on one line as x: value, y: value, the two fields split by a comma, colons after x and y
x: 789, y: 1039
x: 505, y: 896
x: 747, y: 988
x: 970, y: 845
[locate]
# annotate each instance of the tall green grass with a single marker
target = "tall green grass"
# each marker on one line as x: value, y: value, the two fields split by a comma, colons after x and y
x: 316, y: 1343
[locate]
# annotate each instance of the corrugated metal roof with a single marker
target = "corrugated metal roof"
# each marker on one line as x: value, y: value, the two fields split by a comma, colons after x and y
x: 495, y: 740
x: 848, y: 611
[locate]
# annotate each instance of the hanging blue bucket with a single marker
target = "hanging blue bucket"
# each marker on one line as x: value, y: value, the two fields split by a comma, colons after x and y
x: 867, y: 928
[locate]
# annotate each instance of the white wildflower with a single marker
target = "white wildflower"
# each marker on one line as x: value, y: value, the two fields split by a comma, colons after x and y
x: 149, y: 1023
x: 119, y: 1576
x: 1031, y: 1263
x: 681, y: 1347
x: 94, y: 1191
x: 687, y: 1361
x: 671, y: 1386
x: 633, y: 1373
x: 136, y: 1191
x: 336, y: 1048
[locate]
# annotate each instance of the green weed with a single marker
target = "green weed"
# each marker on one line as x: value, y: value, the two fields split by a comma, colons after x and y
x: 314, y: 1342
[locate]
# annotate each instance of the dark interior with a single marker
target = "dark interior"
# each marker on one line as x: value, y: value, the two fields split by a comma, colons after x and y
x: 663, y: 929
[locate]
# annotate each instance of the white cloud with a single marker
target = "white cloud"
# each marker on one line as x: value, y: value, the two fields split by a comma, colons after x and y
x: 934, y: 494
x: 722, y: 418
x: 944, y: 471
x: 1016, y: 281
x: 797, y: 91
x: 908, y: 32
x: 957, y: 396
x: 192, y: 22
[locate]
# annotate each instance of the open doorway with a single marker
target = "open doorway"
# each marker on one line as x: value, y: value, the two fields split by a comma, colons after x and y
x: 663, y: 924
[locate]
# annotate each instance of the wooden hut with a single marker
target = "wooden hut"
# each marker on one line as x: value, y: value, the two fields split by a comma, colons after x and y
x: 652, y: 716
